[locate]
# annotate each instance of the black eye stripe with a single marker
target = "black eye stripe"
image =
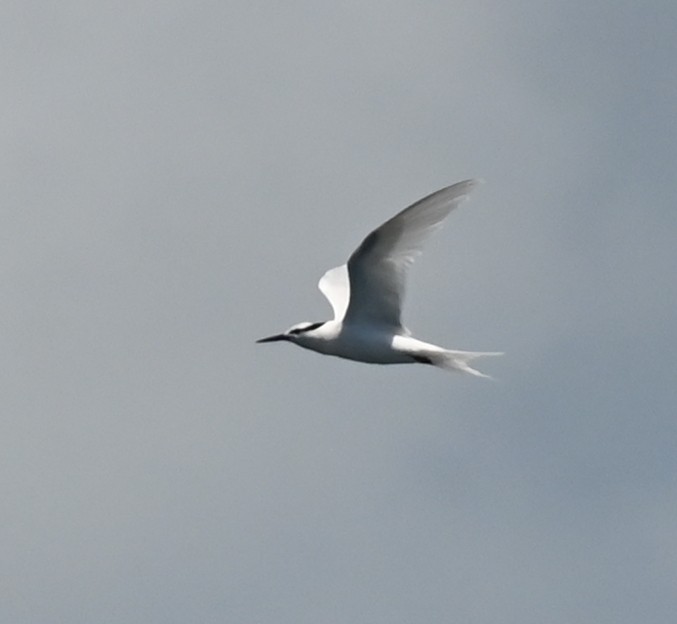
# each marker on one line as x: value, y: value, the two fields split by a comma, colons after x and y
x: 302, y: 330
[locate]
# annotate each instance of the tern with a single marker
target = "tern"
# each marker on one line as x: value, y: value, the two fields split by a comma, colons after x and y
x: 366, y: 294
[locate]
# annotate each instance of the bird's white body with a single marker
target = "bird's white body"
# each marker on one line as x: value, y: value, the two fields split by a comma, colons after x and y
x: 366, y: 294
x: 363, y: 343
x: 379, y: 345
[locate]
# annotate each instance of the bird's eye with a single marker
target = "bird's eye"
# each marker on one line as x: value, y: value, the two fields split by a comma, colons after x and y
x: 302, y: 330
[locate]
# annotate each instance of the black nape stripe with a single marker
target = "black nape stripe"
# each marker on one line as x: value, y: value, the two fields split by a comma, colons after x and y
x: 303, y: 330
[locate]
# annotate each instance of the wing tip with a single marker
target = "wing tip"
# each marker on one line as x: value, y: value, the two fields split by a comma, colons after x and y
x: 470, y: 184
x: 459, y: 191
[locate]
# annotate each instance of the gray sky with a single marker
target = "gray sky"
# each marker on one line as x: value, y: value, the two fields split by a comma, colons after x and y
x: 176, y: 178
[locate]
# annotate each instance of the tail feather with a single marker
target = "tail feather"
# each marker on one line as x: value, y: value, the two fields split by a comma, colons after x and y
x: 459, y: 361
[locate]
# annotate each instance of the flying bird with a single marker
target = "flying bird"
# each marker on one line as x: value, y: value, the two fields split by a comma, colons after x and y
x: 366, y: 294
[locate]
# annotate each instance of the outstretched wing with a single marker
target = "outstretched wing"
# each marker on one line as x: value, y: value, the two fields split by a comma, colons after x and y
x: 336, y: 288
x: 378, y: 267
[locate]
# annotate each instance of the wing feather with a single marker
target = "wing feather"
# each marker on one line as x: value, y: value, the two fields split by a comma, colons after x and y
x: 335, y: 286
x: 377, y: 269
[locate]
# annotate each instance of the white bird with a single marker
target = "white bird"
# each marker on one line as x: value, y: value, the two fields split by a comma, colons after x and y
x: 366, y: 294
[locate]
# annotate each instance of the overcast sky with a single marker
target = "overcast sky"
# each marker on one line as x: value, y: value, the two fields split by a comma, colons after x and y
x: 178, y: 175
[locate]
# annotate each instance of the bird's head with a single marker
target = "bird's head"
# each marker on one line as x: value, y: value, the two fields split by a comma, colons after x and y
x: 295, y: 333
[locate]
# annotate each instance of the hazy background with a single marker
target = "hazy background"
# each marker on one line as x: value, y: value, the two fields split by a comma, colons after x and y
x: 176, y: 176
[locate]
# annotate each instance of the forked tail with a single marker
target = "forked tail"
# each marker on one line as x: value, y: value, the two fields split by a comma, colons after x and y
x: 459, y: 360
